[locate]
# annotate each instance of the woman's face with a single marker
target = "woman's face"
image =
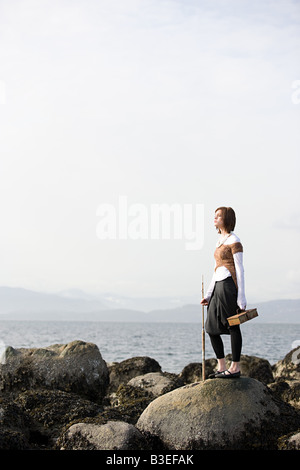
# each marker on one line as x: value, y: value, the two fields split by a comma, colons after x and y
x: 218, y: 220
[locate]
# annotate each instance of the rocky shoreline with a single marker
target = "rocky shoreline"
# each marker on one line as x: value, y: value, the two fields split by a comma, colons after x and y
x: 66, y: 397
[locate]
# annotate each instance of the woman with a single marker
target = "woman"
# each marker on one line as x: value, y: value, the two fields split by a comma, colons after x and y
x: 226, y: 293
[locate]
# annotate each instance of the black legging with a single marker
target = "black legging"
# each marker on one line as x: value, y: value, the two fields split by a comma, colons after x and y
x: 236, y: 343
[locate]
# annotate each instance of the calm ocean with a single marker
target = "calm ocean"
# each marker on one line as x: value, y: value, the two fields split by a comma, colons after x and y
x: 173, y: 345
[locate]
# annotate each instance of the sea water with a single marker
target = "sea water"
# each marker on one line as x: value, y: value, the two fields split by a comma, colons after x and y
x: 173, y: 345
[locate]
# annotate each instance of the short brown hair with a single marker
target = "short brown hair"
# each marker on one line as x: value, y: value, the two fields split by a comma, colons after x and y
x: 229, y: 219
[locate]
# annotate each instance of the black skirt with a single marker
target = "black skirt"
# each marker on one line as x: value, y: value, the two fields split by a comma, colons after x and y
x: 222, y: 304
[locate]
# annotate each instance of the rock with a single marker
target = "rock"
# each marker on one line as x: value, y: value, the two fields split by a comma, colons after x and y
x: 14, y: 433
x: 219, y: 414
x: 75, y: 367
x: 51, y: 410
x: 122, y: 372
x: 114, y: 435
x: 130, y: 402
x: 13, y: 440
x: 290, y: 442
x: 157, y: 383
x: 256, y: 368
x: 289, y: 367
x: 193, y: 371
x: 251, y: 366
x: 288, y: 391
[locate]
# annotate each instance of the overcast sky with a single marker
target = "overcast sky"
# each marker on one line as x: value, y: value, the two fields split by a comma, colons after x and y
x: 160, y: 102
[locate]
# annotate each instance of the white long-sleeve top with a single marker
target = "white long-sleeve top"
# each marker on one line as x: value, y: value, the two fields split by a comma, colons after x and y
x: 221, y: 273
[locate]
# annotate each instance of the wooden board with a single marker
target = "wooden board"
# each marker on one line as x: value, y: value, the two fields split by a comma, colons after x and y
x: 242, y: 317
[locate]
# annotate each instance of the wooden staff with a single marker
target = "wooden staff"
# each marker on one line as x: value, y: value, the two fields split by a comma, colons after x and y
x: 203, y: 336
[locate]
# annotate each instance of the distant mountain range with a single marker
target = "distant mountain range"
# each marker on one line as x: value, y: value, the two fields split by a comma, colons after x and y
x: 75, y: 305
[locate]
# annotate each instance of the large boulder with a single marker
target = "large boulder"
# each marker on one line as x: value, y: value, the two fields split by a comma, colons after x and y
x: 219, y: 414
x: 75, y: 367
x: 289, y: 367
x: 113, y: 435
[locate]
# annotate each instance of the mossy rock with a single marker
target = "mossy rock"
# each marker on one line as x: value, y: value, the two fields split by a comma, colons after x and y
x: 219, y: 414
x: 75, y: 367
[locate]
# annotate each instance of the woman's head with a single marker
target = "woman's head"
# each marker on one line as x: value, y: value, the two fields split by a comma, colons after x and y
x: 225, y: 219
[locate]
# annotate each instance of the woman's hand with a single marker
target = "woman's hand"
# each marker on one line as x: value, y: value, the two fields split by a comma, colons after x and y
x: 241, y: 301
x: 204, y: 302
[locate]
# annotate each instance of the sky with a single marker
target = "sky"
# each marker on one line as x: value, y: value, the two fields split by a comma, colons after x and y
x: 126, y: 105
